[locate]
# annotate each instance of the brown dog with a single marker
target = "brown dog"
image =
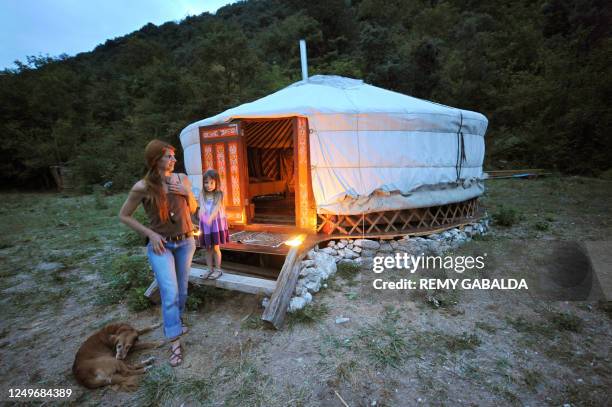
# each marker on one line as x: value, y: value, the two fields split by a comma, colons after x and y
x: 99, y: 361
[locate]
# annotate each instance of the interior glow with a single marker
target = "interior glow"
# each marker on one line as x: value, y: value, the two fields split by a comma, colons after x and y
x: 295, y: 241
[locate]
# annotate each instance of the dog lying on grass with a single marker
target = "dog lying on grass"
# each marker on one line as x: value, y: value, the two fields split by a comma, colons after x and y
x: 99, y: 361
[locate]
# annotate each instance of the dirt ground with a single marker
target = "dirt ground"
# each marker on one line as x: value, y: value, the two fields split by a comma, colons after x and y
x: 399, y: 348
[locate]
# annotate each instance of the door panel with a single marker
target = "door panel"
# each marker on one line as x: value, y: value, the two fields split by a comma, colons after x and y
x: 223, y: 149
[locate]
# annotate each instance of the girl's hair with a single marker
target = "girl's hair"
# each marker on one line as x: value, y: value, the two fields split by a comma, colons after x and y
x: 154, y: 152
x: 214, y: 175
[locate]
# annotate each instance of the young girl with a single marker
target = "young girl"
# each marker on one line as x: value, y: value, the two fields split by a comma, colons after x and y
x: 213, y: 223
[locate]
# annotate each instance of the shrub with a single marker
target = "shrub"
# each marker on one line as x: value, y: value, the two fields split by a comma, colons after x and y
x: 506, y: 216
x: 99, y: 200
x: 311, y: 313
x: 128, y: 278
x: 541, y: 226
x: 566, y: 322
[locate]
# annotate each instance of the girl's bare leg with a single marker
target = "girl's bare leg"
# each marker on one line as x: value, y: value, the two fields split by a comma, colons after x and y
x: 217, y: 250
x: 209, y: 260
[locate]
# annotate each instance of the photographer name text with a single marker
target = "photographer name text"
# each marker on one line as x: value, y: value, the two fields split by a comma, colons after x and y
x: 459, y: 264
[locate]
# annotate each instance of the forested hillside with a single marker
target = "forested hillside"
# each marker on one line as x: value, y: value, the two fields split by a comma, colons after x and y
x: 538, y: 70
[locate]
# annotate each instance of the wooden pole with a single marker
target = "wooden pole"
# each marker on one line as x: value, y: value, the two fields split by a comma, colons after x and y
x: 285, y: 285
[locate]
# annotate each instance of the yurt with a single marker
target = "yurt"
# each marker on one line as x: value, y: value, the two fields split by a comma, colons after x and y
x: 335, y: 155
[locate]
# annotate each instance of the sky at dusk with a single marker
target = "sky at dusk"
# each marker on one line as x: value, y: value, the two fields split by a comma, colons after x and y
x: 55, y: 27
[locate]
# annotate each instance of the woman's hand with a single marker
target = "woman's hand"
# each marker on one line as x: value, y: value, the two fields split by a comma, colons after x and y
x: 157, y: 242
x: 179, y: 189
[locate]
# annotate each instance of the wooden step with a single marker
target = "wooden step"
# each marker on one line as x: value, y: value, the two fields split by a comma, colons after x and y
x: 228, y: 281
x: 275, y: 210
x: 243, y: 269
x: 274, y: 218
x: 231, y: 281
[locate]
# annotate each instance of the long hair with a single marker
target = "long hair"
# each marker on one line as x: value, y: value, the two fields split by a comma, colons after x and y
x: 217, y: 193
x: 154, y: 152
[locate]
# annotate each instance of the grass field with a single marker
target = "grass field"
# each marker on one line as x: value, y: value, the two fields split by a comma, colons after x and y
x: 68, y: 267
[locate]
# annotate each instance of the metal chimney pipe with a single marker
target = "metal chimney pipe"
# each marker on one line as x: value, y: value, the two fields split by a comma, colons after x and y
x: 304, y: 60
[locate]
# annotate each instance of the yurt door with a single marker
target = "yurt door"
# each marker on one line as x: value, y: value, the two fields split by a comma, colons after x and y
x: 222, y: 148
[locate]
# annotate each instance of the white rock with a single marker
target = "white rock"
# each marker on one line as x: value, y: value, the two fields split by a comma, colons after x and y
x: 327, y: 250
x: 331, y: 243
x: 367, y: 244
x: 409, y: 246
x: 385, y: 247
x: 368, y: 253
x: 308, y: 263
x: 313, y: 278
x: 344, y: 241
x: 393, y: 244
x: 313, y: 286
x: 296, y: 303
x: 325, y: 263
x: 265, y: 302
x: 342, y: 320
x: 310, y: 254
x: 341, y: 253
x: 341, y: 245
x: 349, y: 254
x: 52, y: 266
x: 307, y: 297
x: 350, y: 246
x: 356, y: 249
x: 300, y: 288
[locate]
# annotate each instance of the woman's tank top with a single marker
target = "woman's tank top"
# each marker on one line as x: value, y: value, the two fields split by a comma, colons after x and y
x: 179, y: 217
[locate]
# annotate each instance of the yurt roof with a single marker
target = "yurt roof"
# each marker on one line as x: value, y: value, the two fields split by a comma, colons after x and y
x: 334, y: 95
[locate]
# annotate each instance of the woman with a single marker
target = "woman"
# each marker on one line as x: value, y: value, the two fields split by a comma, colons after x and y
x: 169, y: 203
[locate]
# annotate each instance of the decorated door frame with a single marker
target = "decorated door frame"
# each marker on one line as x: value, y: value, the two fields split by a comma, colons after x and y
x: 305, y: 208
x: 222, y: 147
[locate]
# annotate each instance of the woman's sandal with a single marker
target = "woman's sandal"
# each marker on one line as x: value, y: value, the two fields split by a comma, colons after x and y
x: 184, y: 327
x: 176, y: 355
x: 215, y: 274
x: 207, y: 273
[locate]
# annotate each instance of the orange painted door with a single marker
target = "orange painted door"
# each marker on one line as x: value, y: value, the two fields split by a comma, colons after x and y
x: 223, y: 149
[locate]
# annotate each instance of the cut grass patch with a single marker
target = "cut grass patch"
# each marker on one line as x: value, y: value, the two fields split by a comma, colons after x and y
x: 566, y: 322
x: 531, y: 378
x: 384, y: 343
x: 521, y: 324
x: 250, y: 386
x: 310, y: 314
x: 485, y: 327
x: 441, y: 342
x: 161, y: 387
x: 252, y: 322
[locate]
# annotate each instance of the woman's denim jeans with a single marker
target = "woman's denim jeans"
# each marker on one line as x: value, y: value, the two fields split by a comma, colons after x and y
x: 171, y: 270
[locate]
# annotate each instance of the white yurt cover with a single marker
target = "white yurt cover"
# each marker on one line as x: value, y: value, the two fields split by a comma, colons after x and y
x: 371, y: 149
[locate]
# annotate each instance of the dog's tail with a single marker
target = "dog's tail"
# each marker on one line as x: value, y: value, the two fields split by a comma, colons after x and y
x: 148, y: 329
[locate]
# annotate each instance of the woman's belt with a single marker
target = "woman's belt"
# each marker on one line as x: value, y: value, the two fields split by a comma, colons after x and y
x: 178, y: 237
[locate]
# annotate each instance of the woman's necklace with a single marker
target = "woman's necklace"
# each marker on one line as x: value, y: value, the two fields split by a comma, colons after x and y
x: 169, y: 180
